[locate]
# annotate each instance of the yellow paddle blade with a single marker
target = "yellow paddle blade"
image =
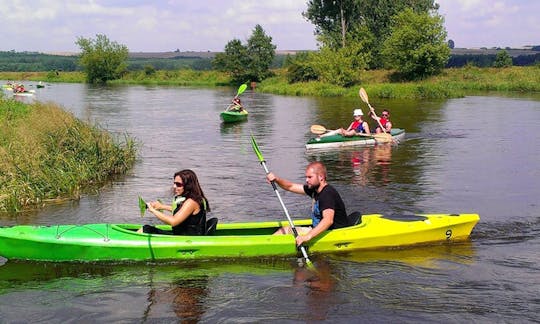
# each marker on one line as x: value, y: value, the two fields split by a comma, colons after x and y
x: 363, y: 95
x: 318, y: 129
x: 383, y: 138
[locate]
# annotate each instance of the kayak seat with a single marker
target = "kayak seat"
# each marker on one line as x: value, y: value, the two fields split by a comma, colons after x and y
x: 211, y: 225
x: 354, y: 218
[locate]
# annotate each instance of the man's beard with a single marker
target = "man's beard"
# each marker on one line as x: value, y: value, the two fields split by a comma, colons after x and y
x: 315, y: 187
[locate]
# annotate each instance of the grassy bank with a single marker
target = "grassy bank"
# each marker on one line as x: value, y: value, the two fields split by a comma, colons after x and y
x: 47, y: 154
x: 452, y: 83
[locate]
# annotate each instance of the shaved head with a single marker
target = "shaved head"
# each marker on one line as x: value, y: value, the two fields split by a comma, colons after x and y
x: 318, y: 168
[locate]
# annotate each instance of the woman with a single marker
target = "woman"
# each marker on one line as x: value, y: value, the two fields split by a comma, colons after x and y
x: 188, y: 209
x: 357, y: 126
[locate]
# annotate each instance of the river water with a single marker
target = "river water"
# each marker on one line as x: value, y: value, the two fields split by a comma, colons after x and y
x: 477, y: 154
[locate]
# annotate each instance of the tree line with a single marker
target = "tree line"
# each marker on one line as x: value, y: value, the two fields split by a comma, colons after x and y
x: 405, y: 36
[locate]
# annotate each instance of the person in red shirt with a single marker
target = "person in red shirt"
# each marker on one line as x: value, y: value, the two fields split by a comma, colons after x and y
x: 385, y: 121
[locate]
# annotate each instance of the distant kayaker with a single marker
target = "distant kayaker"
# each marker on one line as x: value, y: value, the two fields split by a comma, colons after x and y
x: 357, y: 126
x: 236, y: 105
x: 328, y: 210
x: 384, y: 119
x: 188, y: 209
x: 19, y: 88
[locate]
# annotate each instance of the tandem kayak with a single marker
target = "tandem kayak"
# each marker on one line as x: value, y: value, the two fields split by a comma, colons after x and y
x: 337, y: 141
x: 233, y: 116
x: 116, y: 242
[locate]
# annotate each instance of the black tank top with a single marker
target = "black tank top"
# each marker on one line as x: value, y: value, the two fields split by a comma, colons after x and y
x: 195, y: 224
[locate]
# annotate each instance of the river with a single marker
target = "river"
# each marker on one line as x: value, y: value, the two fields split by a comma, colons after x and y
x: 476, y: 154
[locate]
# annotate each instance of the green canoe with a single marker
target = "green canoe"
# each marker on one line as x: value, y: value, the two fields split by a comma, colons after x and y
x: 115, y: 242
x: 233, y: 116
x: 337, y: 141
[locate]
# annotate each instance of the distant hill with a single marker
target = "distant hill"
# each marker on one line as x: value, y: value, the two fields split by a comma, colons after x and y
x: 492, y: 51
x: 202, y: 60
x: 170, y: 55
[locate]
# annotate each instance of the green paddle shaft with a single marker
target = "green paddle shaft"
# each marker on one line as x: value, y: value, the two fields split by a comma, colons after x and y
x: 263, y: 163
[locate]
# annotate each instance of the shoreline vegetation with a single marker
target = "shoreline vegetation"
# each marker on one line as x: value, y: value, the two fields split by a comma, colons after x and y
x: 451, y: 83
x: 47, y: 155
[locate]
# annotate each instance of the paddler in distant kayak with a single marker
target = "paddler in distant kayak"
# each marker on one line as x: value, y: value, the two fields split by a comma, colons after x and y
x: 236, y: 105
x: 357, y: 126
x: 384, y: 120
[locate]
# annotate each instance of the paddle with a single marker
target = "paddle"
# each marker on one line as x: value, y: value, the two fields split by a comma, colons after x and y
x: 241, y: 89
x: 364, y: 97
x: 143, y: 206
x: 263, y: 163
x: 382, y: 138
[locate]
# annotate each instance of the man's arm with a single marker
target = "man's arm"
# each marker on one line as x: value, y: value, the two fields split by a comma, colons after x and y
x: 286, y: 184
x: 324, y: 224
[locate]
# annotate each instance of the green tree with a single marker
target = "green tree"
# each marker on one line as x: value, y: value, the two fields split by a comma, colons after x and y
x: 340, y: 22
x: 333, y: 20
x: 101, y: 59
x: 261, y: 53
x: 502, y: 60
x: 233, y: 60
x: 247, y: 63
x: 416, y: 47
x: 300, y: 67
x: 342, y: 67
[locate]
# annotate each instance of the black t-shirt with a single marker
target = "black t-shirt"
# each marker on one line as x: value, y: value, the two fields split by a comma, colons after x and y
x: 328, y: 198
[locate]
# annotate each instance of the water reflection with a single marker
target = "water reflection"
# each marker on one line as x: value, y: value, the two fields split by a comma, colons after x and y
x: 358, y: 166
x: 186, y: 298
x: 318, y: 284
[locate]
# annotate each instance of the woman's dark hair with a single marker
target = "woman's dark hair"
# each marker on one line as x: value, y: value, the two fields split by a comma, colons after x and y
x: 192, y: 189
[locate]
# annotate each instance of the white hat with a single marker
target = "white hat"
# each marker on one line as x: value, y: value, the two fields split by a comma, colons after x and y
x: 358, y: 112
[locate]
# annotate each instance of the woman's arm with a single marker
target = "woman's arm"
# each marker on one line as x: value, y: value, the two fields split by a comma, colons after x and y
x: 366, y: 128
x: 189, y: 207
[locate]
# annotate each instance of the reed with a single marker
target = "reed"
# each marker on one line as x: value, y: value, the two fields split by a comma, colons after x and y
x: 46, y: 154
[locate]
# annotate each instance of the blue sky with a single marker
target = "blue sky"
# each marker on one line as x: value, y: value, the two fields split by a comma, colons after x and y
x: 201, y: 25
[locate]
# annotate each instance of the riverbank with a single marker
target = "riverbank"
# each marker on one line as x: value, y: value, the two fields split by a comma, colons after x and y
x: 48, y: 155
x: 452, y: 83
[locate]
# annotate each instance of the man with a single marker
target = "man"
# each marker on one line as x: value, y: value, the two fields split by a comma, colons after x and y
x: 328, y: 210
x: 384, y: 120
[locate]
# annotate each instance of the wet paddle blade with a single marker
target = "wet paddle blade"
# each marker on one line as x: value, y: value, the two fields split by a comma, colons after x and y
x: 256, y: 149
x: 241, y: 89
x: 363, y: 95
x: 142, y: 206
x: 383, y: 138
x: 318, y: 129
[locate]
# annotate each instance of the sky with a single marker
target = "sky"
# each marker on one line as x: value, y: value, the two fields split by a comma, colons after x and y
x: 53, y: 26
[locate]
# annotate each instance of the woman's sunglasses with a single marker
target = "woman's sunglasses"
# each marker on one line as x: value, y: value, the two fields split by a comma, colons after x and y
x: 178, y: 184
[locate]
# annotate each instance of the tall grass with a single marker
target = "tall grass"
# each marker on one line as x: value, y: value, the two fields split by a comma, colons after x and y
x: 47, y: 154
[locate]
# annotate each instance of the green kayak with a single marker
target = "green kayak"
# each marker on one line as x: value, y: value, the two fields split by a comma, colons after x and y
x: 337, y: 141
x: 233, y: 116
x: 115, y: 242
